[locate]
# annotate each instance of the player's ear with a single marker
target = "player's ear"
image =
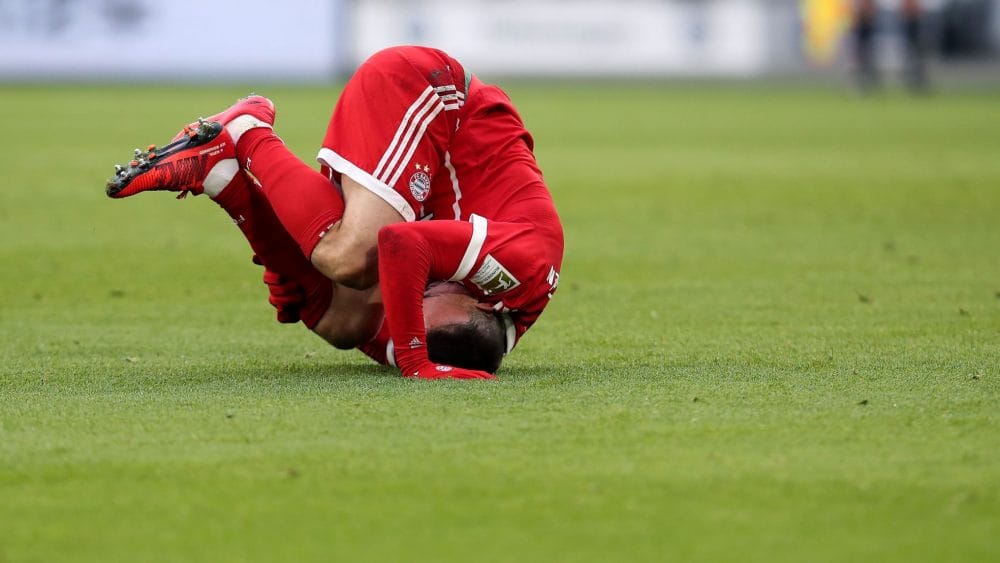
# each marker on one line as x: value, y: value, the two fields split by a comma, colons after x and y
x: 485, y: 307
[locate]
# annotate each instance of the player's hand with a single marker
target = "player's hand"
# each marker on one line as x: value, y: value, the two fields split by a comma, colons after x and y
x: 287, y: 297
x: 413, y: 362
x: 430, y: 370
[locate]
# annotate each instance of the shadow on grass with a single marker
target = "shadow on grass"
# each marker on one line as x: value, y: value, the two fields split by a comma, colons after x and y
x: 305, y: 370
x: 249, y: 371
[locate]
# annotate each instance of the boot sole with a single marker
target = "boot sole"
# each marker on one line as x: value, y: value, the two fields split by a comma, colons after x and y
x: 204, y: 132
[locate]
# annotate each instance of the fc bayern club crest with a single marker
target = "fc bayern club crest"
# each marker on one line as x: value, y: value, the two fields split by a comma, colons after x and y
x: 420, y: 183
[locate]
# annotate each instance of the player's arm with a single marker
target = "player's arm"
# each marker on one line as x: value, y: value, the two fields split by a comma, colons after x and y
x: 410, y: 254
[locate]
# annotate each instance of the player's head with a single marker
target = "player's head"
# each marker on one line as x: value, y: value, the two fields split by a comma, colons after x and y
x: 461, y: 332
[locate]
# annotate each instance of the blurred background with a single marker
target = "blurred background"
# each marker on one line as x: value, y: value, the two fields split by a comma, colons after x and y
x: 909, y: 42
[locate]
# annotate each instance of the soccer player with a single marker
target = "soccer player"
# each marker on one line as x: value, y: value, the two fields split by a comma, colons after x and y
x: 413, y: 137
x: 864, y: 30
x: 911, y: 18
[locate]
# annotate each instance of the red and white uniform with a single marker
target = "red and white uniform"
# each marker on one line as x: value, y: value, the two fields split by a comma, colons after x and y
x: 435, y: 142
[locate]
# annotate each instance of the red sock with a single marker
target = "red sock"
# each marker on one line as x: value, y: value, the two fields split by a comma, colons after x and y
x: 306, y: 203
x: 275, y: 248
x: 377, y: 348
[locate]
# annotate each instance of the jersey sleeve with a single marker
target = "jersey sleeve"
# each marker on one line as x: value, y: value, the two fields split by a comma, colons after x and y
x: 410, y: 254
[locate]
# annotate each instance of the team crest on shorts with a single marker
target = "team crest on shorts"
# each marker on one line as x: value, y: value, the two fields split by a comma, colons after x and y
x: 420, y: 183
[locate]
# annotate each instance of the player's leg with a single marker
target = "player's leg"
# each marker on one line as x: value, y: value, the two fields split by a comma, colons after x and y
x: 305, y: 201
x: 201, y: 160
x: 347, y: 252
x: 270, y: 242
x: 343, y: 317
x: 201, y: 157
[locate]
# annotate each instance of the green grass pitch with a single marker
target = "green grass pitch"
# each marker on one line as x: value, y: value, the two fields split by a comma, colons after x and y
x: 777, y: 338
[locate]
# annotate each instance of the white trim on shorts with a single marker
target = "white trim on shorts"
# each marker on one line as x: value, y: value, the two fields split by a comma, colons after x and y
x: 381, y: 189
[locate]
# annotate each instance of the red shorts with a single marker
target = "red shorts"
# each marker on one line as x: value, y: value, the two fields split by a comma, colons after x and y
x: 430, y: 139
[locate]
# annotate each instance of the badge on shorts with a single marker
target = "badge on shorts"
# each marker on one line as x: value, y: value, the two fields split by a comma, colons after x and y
x: 493, y: 278
x: 420, y: 183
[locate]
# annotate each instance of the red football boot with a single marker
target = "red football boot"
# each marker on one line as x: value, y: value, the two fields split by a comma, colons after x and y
x: 259, y: 109
x: 204, y: 154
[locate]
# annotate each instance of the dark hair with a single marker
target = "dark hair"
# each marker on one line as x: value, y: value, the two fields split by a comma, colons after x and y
x: 479, y: 343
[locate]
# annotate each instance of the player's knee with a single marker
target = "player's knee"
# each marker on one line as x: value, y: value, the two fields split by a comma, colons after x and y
x: 351, y: 267
x: 356, y: 273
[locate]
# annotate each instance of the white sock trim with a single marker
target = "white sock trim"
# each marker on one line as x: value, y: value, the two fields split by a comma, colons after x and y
x: 240, y: 125
x: 220, y: 176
